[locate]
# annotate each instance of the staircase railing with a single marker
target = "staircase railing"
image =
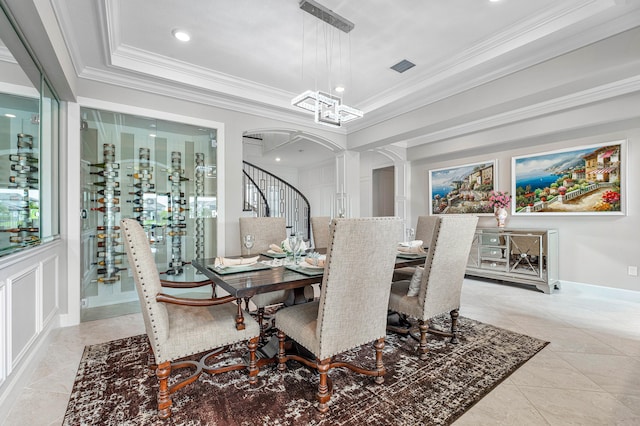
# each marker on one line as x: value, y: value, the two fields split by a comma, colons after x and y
x: 268, y: 195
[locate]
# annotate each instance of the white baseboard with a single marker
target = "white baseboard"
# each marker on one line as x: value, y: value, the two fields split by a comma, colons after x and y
x: 599, y: 291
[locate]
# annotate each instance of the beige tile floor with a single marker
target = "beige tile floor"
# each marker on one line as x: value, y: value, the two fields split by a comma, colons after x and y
x: 588, y: 375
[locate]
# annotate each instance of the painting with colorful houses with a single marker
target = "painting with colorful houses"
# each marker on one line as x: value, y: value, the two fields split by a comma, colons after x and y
x: 462, y: 189
x: 585, y: 180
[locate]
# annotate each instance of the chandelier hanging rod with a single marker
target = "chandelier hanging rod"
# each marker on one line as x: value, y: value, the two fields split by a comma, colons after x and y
x: 326, y: 15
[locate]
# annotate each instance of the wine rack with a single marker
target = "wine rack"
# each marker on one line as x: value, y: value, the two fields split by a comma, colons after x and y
x: 108, y: 244
x: 142, y: 176
x: 199, y: 192
x: 24, y: 176
x: 176, y: 220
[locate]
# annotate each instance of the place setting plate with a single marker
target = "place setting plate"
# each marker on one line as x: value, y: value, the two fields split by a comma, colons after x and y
x: 404, y: 255
x: 234, y: 269
x: 306, y: 268
x: 274, y: 255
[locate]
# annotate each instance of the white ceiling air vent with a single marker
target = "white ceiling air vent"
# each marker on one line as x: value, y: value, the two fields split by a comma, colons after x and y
x: 403, y: 65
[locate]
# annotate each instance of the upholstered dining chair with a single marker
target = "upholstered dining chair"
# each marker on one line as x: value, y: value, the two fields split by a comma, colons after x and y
x: 439, y: 287
x: 178, y: 327
x: 320, y: 229
x: 267, y: 231
x: 424, y: 232
x: 353, y: 301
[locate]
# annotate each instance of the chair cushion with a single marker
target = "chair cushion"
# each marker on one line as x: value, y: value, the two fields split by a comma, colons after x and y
x: 416, y: 280
x: 400, y: 302
x: 197, y: 329
x: 300, y: 323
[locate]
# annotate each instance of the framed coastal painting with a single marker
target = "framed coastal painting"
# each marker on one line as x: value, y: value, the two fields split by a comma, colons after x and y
x: 586, y: 180
x: 462, y: 189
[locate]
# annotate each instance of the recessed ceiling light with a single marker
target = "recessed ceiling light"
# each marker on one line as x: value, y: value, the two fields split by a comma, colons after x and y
x: 339, y: 89
x: 181, y: 35
x: 10, y: 115
x: 153, y: 135
x: 494, y: 1
x: 277, y: 158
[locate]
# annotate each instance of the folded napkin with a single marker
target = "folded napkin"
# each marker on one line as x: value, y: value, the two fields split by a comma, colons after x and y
x: 222, y: 262
x: 275, y: 248
x: 414, y: 246
x: 285, y: 247
x: 414, y: 243
x: 316, y: 261
x: 413, y: 250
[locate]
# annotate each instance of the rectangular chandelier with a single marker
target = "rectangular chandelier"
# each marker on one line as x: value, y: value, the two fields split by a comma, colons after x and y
x: 327, y: 109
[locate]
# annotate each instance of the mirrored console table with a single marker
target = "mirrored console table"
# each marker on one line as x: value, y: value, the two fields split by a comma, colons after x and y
x: 526, y: 256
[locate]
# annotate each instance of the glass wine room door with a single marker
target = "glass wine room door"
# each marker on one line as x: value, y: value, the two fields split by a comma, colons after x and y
x: 161, y: 173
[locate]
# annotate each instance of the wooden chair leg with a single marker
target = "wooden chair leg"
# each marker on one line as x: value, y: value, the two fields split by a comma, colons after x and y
x: 261, y: 324
x: 323, y: 395
x: 253, y: 365
x: 281, y: 354
x: 164, y: 397
x: 423, y: 349
x: 379, y: 345
x: 454, y: 326
x: 151, y: 362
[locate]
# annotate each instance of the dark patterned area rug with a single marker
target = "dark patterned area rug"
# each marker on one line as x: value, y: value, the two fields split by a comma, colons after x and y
x: 112, y: 386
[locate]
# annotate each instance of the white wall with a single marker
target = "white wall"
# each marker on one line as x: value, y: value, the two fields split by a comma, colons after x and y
x: 318, y: 184
x: 593, y: 249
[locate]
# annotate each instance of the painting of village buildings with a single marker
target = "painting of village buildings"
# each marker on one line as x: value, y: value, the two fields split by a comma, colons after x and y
x: 463, y: 189
x: 585, y: 180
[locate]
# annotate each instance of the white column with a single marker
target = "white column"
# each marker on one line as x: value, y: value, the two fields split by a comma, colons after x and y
x: 347, y: 184
x: 402, y: 177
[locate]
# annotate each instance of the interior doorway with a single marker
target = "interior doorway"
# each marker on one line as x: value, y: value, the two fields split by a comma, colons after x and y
x: 383, y: 194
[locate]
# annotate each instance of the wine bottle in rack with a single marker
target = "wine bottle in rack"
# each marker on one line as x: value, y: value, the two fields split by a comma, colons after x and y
x: 106, y: 165
x: 143, y: 176
x: 176, y: 233
x: 104, y: 236
x: 105, y: 200
x: 23, y: 158
x: 16, y: 230
x: 178, y: 178
x: 24, y: 168
x: 22, y: 179
x: 110, y: 184
x: 105, y: 227
x: 105, y: 173
x: 113, y: 192
x: 144, y: 186
x: 180, y: 209
x: 104, y: 209
x: 107, y: 280
x: 110, y: 270
x: 110, y: 253
x: 113, y: 244
x: 112, y: 262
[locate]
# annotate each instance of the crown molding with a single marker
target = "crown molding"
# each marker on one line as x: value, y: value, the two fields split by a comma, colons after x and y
x: 516, y: 36
x: 6, y: 56
x: 574, y: 100
x: 197, y: 95
x: 461, y: 83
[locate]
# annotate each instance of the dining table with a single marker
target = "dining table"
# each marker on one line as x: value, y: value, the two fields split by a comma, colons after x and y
x: 266, y: 275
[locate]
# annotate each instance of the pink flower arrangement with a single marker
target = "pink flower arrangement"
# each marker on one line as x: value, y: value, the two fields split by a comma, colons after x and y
x: 499, y: 199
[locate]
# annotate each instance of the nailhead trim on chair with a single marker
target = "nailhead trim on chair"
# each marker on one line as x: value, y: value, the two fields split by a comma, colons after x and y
x: 146, y: 296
